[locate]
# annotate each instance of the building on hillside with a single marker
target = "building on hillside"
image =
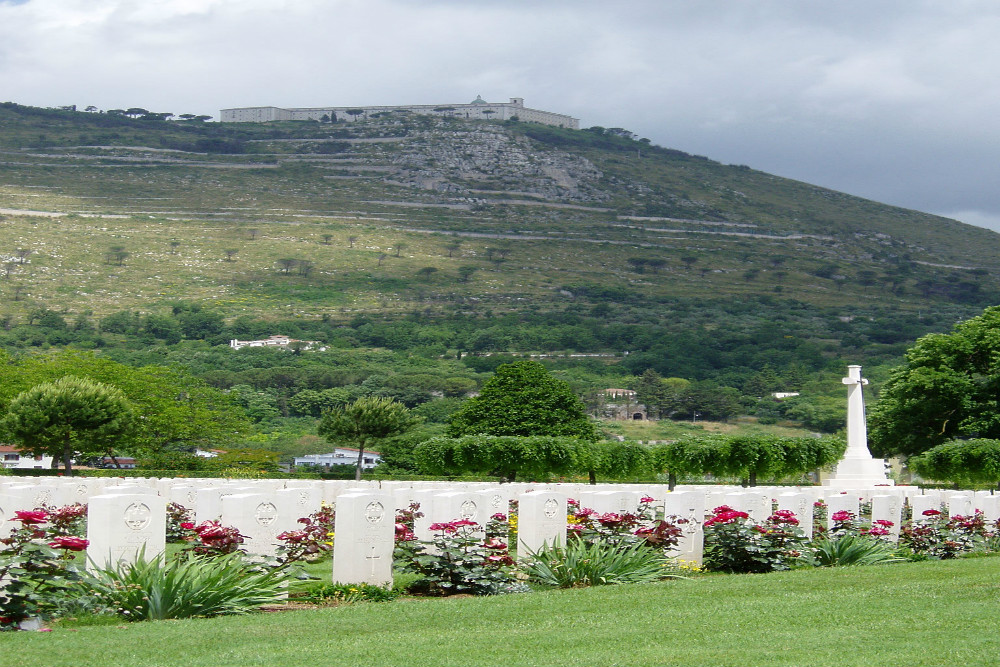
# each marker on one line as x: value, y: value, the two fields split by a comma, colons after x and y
x: 340, y: 456
x: 12, y: 458
x: 275, y: 341
x: 477, y: 109
x: 620, y: 404
x: 116, y: 463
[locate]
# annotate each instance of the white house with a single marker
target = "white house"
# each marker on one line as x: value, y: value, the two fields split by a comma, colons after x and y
x: 340, y: 456
x: 12, y: 458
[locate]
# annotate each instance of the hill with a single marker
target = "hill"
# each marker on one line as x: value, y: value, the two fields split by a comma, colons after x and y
x: 412, y: 232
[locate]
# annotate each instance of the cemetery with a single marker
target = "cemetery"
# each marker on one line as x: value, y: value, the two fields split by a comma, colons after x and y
x: 135, y: 549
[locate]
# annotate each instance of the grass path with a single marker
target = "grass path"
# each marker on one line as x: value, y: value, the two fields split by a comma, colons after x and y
x: 932, y: 613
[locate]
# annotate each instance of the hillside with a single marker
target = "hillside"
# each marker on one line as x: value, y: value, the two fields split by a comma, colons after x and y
x: 504, y: 236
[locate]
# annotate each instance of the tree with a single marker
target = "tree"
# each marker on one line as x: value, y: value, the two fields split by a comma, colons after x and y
x: 947, y: 388
x: 523, y: 399
x: 426, y: 272
x: 534, y: 457
x: 230, y: 253
x: 179, y: 412
x: 116, y: 254
x: 69, y: 417
x: 965, y: 462
x: 327, y: 238
x: 465, y: 273
x: 453, y: 247
x: 746, y: 457
x: 366, y: 421
x: 287, y: 264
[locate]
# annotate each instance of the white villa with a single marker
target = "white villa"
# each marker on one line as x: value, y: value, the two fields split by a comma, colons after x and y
x: 272, y: 341
x: 477, y: 109
x: 13, y: 458
x: 340, y: 456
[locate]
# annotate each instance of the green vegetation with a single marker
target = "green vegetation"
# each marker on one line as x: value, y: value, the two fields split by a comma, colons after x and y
x: 366, y: 422
x: 183, y: 586
x: 904, y: 614
x: 965, y: 462
x: 946, y: 389
x: 523, y: 399
x: 596, y: 563
x: 68, y: 418
x: 420, y: 268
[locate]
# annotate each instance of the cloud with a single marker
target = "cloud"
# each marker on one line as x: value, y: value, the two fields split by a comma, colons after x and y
x: 894, y: 100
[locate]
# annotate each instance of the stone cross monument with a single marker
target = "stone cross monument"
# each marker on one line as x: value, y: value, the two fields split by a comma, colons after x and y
x: 857, y: 470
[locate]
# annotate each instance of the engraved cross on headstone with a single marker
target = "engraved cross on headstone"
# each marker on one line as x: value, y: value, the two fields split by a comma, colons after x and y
x: 372, y: 557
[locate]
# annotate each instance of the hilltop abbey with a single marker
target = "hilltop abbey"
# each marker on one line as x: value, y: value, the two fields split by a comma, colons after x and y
x: 478, y: 109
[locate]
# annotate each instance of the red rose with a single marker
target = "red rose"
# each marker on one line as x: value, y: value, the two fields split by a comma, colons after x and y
x: 31, y: 517
x: 69, y: 543
x: 187, y: 525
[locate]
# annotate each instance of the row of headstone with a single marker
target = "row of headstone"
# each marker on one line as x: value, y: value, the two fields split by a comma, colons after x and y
x: 126, y: 517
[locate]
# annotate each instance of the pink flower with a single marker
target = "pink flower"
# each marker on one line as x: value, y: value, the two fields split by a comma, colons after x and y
x: 784, y: 516
x: 499, y: 516
x: 584, y: 513
x: 647, y: 499
x: 187, y: 525
x: 463, y: 522
x: 878, y: 531
x: 69, y: 543
x: 931, y: 513
x: 885, y: 523
x: 728, y: 516
x: 494, y: 543
x: 446, y: 527
x: 610, y: 519
x: 499, y: 559
x: 207, y: 531
x: 722, y: 508
x: 572, y: 503
x: 31, y: 517
x: 842, y: 515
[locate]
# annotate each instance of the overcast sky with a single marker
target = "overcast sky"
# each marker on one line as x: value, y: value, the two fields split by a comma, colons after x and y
x: 894, y: 100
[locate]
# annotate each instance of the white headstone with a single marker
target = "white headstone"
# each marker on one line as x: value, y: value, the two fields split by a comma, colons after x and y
x: 688, y: 506
x: 365, y: 537
x: 119, y: 526
x: 541, y: 520
x: 801, y: 504
x: 888, y: 508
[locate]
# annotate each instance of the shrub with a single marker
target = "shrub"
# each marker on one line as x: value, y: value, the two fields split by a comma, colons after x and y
x: 735, y: 543
x: 36, y: 568
x: 936, y: 536
x: 834, y: 551
x: 595, y: 563
x: 313, y: 541
x: 461, y: 561
x: 184, y: 587
x: 327, y: 593
x: 177, y: 517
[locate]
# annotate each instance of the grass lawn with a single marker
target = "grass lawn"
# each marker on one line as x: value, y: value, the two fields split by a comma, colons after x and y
x: 930, y: 613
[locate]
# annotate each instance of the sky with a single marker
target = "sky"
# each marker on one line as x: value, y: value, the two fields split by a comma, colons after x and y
x: 893, y: 100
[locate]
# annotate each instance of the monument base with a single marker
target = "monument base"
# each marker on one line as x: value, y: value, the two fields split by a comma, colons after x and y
x: 859, y: 474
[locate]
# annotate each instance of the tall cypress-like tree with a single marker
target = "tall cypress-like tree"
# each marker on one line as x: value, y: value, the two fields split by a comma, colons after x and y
x: 523, y: 399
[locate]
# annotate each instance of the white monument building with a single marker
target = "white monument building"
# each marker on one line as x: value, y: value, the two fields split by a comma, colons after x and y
x: 477, y: 109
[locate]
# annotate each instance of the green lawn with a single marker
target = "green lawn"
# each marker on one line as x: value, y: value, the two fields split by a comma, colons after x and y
x: 930, y: 613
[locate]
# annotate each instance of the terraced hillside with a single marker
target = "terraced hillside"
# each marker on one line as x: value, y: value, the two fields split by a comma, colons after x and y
x: 402, y: 212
